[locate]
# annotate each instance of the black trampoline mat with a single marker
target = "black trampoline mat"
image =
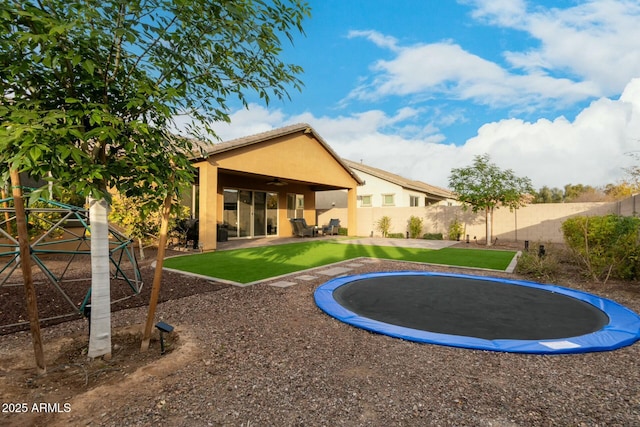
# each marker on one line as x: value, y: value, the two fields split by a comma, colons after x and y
x: 470, y: 307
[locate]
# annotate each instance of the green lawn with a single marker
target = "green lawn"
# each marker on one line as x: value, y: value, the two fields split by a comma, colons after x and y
x: 249, y: 265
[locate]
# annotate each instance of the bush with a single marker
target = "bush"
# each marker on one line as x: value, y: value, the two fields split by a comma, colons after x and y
x: 544, y: 267
x: 455, y: 230
x: 384, y: 225
x: 126, y: 212
x: 433, y: 236
x: 343, y: 231
x: 606, y: 246
x: 395, y: 236
x: 415, y: 227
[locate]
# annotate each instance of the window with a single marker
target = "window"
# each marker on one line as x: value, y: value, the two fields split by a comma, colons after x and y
x: 365, y: 201
x: 387, y: 200
x: 295, y: 205
x: 414, y: 201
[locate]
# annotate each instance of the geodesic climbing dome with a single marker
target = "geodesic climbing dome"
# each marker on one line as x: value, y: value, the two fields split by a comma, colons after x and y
x: 60, y: 242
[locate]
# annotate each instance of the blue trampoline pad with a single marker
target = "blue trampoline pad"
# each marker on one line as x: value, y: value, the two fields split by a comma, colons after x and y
x: 479, y: 312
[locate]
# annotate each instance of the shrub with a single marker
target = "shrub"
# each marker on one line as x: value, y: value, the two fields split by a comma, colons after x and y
x: 606, y: 246
x: 415, y: 227
x: 395, y: 236
x: 455, y: 230
x: 127, y: 213
x: 544, y: 267
x: 384, y: 225
x: 343, y: 231
x: 433, y: 236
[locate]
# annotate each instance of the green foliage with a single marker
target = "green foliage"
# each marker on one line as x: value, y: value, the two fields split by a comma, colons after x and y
x: 42, y: 215
x: 395, y: 236
x: 544, y: 268
x: 41, y: 218
x: 415, y: 227
x: 90, y: 89
x: 383, y: 225
x: 606, y: 246
x: 583, y: 193
x: 484, y: 186
x: 456, y: 229
x: 433, y: 236
x: 621, y: 190
x: 548, y: 195
x: 343, y: 231
x: 130, y: 215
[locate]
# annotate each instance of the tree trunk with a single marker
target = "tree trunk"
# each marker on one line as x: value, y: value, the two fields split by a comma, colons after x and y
x: 25, y: 264
x: 100, y: 331
x: 140, y: 249
x: 7, y: 216
x: 157, y: 277
x: 489, y: 221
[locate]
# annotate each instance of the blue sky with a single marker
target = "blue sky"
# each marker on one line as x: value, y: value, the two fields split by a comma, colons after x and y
x: 417, y: 87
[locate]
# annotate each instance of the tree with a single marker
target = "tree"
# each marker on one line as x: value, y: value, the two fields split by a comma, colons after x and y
x: 484, y: 186
x: 548, y: 195
x: 90, y: 90
x: 621, y: 190
x: 582, y: 193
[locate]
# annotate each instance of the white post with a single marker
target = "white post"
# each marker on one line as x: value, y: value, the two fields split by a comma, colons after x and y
x: 100, y: 331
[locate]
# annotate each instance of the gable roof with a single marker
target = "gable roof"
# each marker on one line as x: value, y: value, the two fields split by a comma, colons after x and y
x: 409, y: 184
x: 212, y: 149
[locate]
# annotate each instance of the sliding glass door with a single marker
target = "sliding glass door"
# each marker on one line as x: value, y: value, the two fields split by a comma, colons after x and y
x: 245, y: 212
x: 272, y: 214
x: 250, y: 213
x: 259, y: 213
x: 230, y: 211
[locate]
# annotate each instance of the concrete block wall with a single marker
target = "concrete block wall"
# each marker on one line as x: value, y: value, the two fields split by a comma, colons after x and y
x: 536, y: 222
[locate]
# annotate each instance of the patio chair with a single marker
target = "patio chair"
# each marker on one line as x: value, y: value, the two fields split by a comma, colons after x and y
x: 301, y: 229
x: 332, y: 228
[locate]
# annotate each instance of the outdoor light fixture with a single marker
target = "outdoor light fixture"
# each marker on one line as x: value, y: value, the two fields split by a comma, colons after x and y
x: 163, y: 327
x: 541, y: 251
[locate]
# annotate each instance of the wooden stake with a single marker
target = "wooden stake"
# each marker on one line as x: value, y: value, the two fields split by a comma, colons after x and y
x: 157, y: 277
x: 25, y: 264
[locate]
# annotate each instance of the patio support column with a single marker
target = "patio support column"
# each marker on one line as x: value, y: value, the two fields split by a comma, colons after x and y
x: 352, y: 212
x: 208, y: 217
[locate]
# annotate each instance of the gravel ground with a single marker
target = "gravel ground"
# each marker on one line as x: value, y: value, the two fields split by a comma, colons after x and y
x: 267, y: 356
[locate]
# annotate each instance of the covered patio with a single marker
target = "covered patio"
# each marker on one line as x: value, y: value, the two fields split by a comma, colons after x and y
x: 250, y: 187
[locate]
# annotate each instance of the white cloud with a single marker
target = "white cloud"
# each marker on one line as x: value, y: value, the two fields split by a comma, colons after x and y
x: 589, y: 150
x: 586, y: 51
x: 255, y: 119
x: 377, y: 38
x: 500, y: 12
x: 446, y: 70
x: 595, y: 41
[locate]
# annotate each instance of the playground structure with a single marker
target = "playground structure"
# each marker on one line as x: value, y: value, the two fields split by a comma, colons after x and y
x: 60, y: 246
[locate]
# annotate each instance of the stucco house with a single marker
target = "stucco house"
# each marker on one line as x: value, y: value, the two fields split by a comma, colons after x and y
x: 251, y: 186
x: 385, y: 189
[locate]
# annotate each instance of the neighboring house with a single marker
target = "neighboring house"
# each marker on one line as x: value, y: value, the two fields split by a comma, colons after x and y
x: 385, y: 189
x: 252, y: 186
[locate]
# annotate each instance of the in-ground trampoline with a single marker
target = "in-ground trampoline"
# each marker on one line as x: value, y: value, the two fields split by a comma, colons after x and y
x: 479, y: 312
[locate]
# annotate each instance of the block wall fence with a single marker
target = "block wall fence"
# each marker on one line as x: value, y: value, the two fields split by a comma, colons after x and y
x: 535, y: 222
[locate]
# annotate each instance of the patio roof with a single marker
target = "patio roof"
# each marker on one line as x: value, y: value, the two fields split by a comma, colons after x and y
x: 207, y: 150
